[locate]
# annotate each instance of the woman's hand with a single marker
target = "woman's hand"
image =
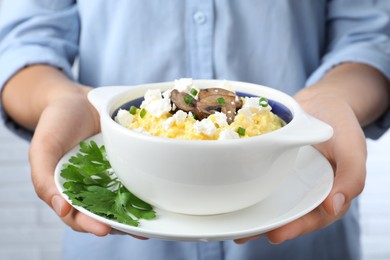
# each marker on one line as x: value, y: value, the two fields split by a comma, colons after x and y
x: 64, y: 122
x: 42, y: 98
x: 347, y: 98
x: 346, y: 151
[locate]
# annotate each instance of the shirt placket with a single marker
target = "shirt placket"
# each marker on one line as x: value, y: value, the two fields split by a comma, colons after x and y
x: 210, y: 251
x: 200, y: 33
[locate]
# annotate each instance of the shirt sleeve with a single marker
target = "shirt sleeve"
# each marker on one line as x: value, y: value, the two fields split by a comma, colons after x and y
x: 36, y: 32
x: 359, y: 31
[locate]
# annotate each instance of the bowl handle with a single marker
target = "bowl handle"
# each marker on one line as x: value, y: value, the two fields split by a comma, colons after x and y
x: 101, y: 96
x: 309, y: 130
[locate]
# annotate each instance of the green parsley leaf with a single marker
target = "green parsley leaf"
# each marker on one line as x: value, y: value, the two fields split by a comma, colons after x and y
x: 92, y: 184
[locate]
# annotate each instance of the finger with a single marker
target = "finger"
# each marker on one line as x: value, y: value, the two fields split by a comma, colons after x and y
x: 139, y: 237
x: 310, y: 222
x: 348, y: 161
x: 77, y: 220
x: 348, y: 183
x: 49, y: 143
x: 83, y: 223
x: 42, y: 175
x: 60, y: 206
x: 241, y: 241
x: 349, y: 164
x: 42, y: 166
x: 350, y: 168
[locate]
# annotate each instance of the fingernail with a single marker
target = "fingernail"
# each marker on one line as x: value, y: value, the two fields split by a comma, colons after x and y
x: 247, y: 239
x: 56, y: 204
x: 338, y: 203
x: 274, y: 243
x: 253, y: 238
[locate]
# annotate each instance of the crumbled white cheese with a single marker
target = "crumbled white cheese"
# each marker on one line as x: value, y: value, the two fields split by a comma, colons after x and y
x: 124, y: 118
x: 224, y: 84
x: 155, y: 104
x: 150, y: 96
x: 183, y: 84
x: 246, y: 111
x: 180, y: 116
x: 252, y: 106
x: 158, y: 108
x: 252, y: 102
x: 206, y: 126
x: 228, y: 134
x: 167, y: 93
x: 167, y: 123
x: 221, y: 119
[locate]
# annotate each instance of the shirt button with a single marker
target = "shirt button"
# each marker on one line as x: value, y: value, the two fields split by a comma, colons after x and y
x: 199, y: 18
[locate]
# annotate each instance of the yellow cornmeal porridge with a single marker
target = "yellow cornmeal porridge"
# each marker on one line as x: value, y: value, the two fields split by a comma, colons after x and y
x: 259, y: 124
x: 160, y: 114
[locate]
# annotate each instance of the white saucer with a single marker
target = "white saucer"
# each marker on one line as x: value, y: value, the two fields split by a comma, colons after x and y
x: 308, y: 185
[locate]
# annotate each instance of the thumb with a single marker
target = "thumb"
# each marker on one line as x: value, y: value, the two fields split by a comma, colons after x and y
x: 350, y: 173
x: 43, y: 159
x: 348, y: 183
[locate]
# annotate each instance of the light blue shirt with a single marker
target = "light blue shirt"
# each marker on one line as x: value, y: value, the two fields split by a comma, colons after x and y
x: 283, y: 44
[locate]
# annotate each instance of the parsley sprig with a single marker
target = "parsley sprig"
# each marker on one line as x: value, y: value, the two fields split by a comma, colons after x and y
x: 92, y: 184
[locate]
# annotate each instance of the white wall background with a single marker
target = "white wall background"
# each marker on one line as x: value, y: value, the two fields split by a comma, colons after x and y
x: 28, y: 227
x: 375, y: 201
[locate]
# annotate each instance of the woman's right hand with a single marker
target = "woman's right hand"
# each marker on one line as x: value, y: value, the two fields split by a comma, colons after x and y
x: 66, y: 120
x: 44, y: 99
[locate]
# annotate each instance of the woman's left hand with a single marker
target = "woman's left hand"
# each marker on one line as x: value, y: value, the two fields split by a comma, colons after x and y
x: 349, y: 96
x: 346, y: 151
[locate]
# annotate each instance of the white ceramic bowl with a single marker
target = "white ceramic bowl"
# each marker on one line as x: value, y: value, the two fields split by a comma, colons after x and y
x: 204, y: 177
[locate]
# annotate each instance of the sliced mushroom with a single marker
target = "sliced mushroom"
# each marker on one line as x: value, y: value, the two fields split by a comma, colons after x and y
x: 208, y: 105
x: 215, y: 91
x: 229, y: 109
x: 179, y: 99
x: 238, y: 102
x: 220, y: 92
